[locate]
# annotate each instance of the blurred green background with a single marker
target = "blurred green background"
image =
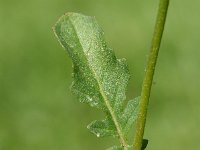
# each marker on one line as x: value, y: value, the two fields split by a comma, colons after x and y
x: 37, y: 109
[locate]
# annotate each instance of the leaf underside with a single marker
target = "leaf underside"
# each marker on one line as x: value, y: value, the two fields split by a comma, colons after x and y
x: 100, y: 79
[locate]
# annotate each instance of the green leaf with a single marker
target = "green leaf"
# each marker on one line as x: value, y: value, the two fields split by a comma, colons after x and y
x: 130, y: 114
x: 144, y: 144
x: 103, y: 128
x: 100, y: 79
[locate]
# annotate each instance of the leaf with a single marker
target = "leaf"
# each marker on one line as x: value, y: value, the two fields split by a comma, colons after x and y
x: 100, y: 79
x: 102, y: 128
x: 144, y: 144
x: 130, y: 114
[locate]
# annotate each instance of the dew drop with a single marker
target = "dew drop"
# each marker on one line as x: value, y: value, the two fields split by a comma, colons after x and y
x: 89, y: 99
x: 98, y: 134
x: 94, y: 104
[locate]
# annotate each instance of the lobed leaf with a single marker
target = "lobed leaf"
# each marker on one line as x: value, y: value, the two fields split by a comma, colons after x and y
x: 102, y: 128
x: 100, y: 79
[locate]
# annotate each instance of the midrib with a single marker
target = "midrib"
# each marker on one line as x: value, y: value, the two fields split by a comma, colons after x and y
x: 107, y: 103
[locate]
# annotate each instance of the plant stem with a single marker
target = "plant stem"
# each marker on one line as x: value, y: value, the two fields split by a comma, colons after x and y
x: 150, y: 68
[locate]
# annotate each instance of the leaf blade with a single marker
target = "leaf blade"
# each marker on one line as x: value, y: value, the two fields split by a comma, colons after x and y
x: 100, y: 79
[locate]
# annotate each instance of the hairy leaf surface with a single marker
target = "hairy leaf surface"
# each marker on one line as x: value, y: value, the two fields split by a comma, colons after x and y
x: 100, y: 79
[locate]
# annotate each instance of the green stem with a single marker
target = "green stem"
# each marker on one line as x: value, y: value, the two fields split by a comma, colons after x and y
x: 147, y: 82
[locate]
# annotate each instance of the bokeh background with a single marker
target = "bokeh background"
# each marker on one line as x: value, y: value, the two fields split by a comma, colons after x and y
x: 37, y: 109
